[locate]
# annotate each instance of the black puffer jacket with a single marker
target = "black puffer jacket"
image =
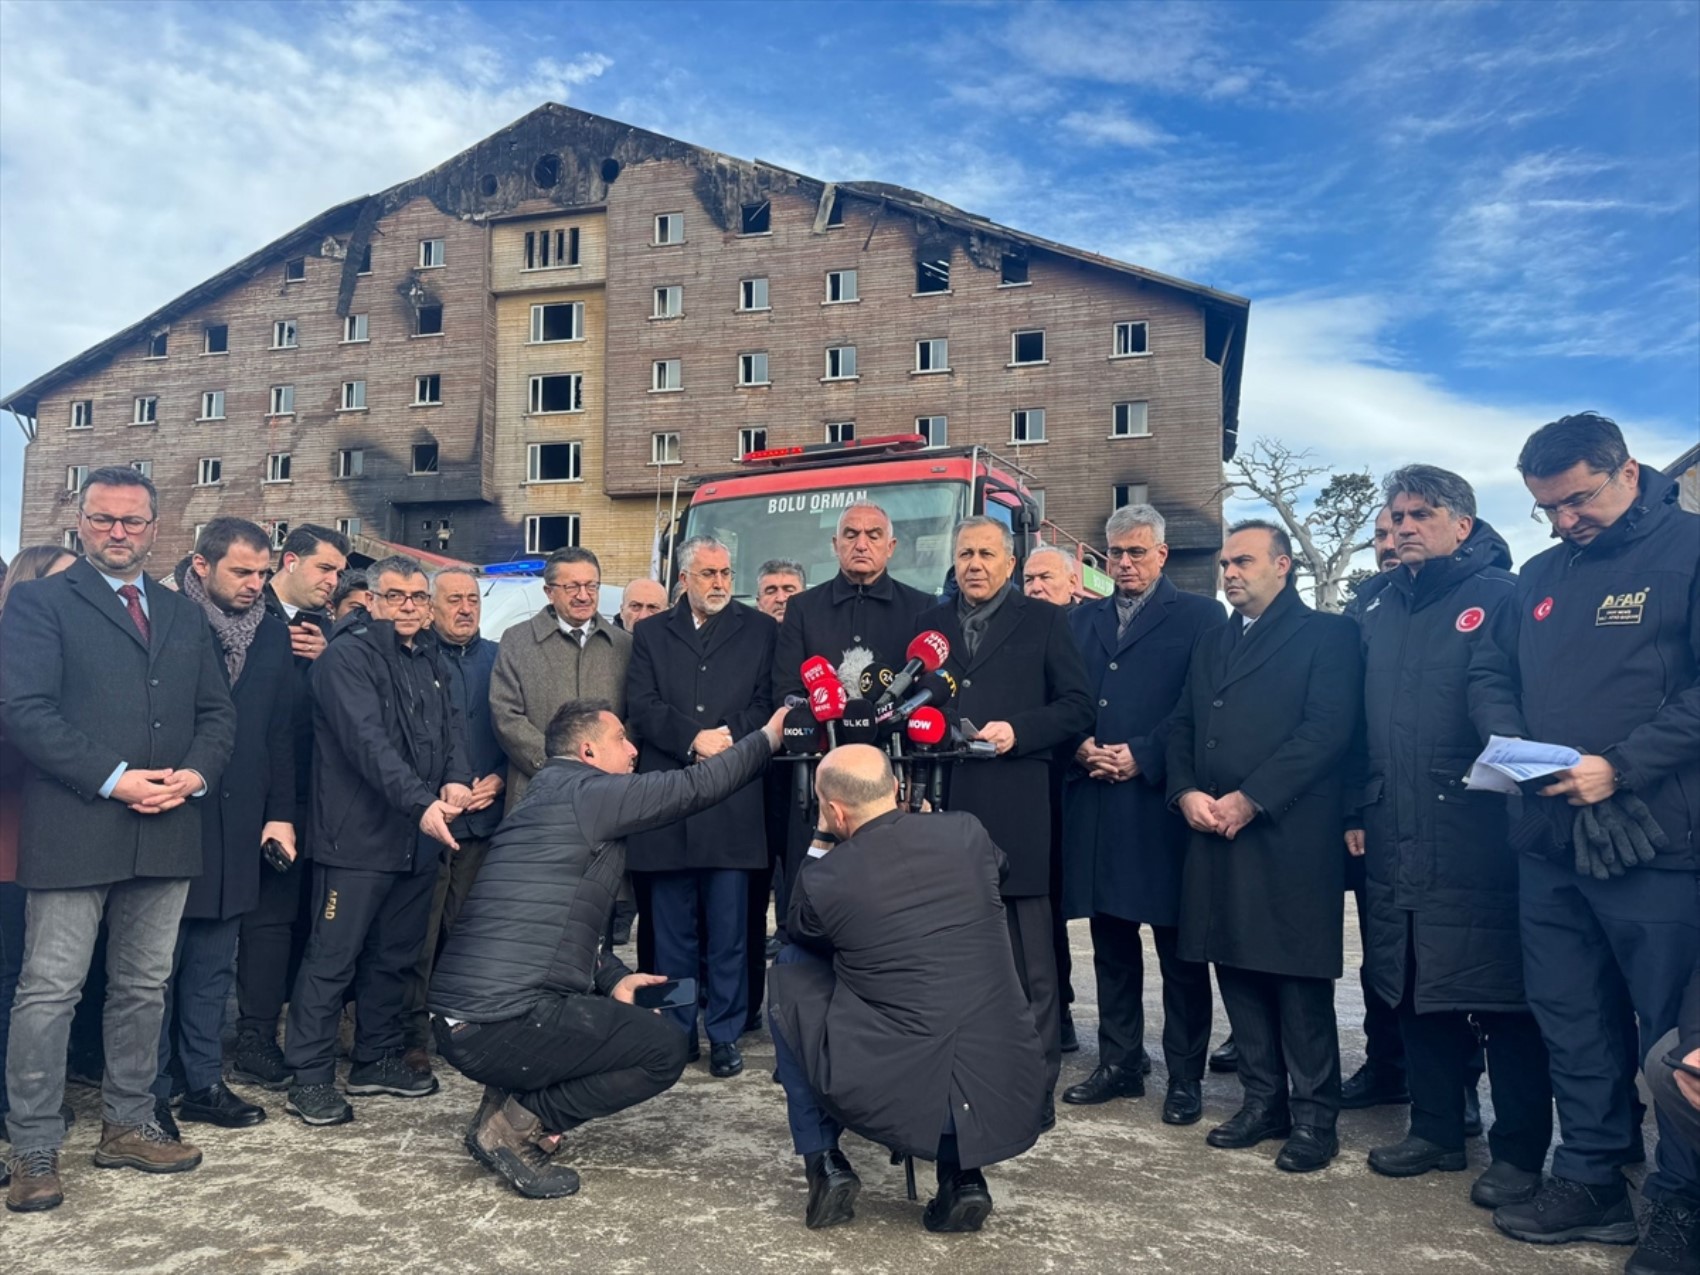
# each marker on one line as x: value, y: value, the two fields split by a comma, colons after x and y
x: 532, y: 925
x: 1441, y: 874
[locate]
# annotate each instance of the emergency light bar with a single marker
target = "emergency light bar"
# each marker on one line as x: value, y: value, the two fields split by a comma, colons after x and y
x: 823, y: 451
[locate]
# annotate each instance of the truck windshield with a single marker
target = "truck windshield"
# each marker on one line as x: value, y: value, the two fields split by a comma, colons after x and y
x: 799, y: 525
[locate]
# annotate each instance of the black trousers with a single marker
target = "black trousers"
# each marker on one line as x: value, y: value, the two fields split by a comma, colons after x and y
x: 1287, y: 1037
x: 571, y: 1058
x: 368, y: 930
x: 1118, y: 960
x: 1438, y: 1053
x: 195, y: 999
x: 1036, y: 966
x: 1384, y: 1046
x: 269, y: 947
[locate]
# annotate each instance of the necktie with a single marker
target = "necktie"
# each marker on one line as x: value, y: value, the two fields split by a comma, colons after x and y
x: 133, y: 604
x: 577, y: 636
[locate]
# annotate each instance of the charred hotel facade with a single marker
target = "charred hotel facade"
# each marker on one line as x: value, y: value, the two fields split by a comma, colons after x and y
x: 531, y: 345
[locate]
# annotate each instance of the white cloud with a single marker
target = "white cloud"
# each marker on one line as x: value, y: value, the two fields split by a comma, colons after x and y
x: 1109, y: 127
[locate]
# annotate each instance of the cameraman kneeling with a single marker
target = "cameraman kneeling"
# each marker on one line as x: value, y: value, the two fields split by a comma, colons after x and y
x: 897, y: 1012
x: 524, y: 996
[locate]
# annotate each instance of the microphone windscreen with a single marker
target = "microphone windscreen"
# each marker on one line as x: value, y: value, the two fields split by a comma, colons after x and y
x: 857, y: 725
x: 827, y: 700
x: 817, y: 669
x: 926, y: 727
x: 801, y: 733
x: 932, y: 648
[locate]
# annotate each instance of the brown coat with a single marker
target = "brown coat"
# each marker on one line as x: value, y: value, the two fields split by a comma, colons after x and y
x: 538, y: 668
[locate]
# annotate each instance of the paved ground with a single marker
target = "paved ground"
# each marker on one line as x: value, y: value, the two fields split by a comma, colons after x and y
x: 702, y: 1180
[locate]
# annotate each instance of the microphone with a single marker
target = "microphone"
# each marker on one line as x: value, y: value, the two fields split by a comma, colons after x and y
x: 800, y: 736
x: 926, y: 729
x: 817, y: 669
x: 875, y: 681
x: 857, y: 724
x: 927, y: 652
x: 937, y: 688
x: 826, y: 702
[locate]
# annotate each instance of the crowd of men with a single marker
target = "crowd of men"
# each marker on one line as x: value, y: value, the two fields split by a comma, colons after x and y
x: 318, y: 792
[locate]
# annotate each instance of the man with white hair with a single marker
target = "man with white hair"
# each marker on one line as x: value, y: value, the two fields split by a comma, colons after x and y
x: 1052, y: 574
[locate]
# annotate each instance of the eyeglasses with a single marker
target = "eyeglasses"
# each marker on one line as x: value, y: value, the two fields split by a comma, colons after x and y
x: 588, y: 589
x: 1569, y: 505
x: 134, y: 524
x: 396, y: 598
x: 1115, y: 553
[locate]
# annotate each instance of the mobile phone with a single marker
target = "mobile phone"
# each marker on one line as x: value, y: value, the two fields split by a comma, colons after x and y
x: 1674, y: 1061
x: 678, y: 993
x: 275, y: 856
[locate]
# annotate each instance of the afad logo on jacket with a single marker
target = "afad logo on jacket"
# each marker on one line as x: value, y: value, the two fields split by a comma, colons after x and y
x: 1469, y: 619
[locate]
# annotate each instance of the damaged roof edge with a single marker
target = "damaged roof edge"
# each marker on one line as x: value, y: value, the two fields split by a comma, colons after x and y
x: 25, y: 401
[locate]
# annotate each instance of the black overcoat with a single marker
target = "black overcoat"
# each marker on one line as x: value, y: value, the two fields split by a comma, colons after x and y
x: 835, y: 617
x: 679, y: 683
x: 258, y: 785
x: 1027, y: 672
x: 303, y: 718
x: 83, y: 692
x: 1271, y: 715
x: 1123, y: 846
x: 1440, y: 870
x: 925, y: 1014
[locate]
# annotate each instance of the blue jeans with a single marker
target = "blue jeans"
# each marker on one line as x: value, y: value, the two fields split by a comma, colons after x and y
x: 680, y: 951
x: 142, y: 916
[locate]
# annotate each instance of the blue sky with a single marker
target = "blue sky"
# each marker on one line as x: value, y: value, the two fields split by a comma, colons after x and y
x: 1454, y: 221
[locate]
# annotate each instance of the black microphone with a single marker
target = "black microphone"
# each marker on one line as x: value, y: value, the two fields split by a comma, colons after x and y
x: 857, y: 725
x: 928, y: 651
x: 936, y: 688
x: 800, y: 736
x: 875, y: 681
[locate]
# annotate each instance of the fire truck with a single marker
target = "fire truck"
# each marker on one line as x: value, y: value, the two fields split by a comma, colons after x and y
x: 784, y: 502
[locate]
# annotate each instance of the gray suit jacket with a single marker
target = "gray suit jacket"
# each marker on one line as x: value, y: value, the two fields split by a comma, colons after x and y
x: 81, y: 692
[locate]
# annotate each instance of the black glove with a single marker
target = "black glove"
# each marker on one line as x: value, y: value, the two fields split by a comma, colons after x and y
x: 1622, y: 833
x: 1603, y: 860
x: 1641, y: 821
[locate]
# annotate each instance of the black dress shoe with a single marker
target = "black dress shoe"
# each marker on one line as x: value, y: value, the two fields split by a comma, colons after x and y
x: 1144, y: 1061
x: 1472, y: 1113
x: 1048, y: 1112
x: 1070, y: 1041
x: 1250, y: 1125
x: 162, y: 1118
x: 724, y: 1060
x: 1226, y: 1057
x: 1184, y: 1103
x: 833, y: 1187
x: 1373, y: 1087
x: 962, y: 1204
x: 216, y: 1104
x: 1107, y: 1082
x: 695, y: 1052
x: 1414, y: 1157
x: 1308, y: 1150
x: 1503, y: 1183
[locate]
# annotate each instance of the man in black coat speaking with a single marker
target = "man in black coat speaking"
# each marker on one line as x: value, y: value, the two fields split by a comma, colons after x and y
x: 897, y: 1011
x: 525, y: 997
x: 1256, y: 749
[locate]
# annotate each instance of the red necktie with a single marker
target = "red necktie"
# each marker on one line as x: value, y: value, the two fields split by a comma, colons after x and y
x: 133, y: 604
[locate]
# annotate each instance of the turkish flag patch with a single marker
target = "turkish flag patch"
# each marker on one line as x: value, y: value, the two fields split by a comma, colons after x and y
x: 1544, y: 609
x: 1469, y: 620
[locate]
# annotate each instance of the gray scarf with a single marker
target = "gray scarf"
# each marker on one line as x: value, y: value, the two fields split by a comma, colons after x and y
x: 235, y: 630
x: 1128, y: 608
x: 975, y: 619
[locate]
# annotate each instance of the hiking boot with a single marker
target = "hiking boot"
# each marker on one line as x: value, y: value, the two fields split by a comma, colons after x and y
x: 1563, y: 1211
x: 319, y: 1105
x: 35, y: 1182
x: 511, y: 1141
x: 1670, y: 1240
x: 255, y: 1059
x: 493, y: 1098
x: 146, y: 1147
x: 391, y: 1075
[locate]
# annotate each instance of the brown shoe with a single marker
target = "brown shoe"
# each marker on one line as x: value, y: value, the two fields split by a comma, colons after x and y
x: 35, y: 1182
x: 512, y: 1141
x: 418, y: 1058
x: 146, y: 1147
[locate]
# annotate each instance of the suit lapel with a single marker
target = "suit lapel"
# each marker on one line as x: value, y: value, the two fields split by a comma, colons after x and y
x: 94, y: 590
x: 160, y: 619
x: 1104, y: 625
x: 723, y: 629
x: 1150, y: 615
x: 1273, y: 630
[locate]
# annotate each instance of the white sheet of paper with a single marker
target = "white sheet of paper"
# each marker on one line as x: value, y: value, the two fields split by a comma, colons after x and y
x: 1506, y: 762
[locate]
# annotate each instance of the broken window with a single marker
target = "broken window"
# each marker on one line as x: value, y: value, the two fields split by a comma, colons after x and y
x: 551, y: 249
x: 366, y: 259
x: 1131, y: 338
x: 157, y: 344
x: 664, y: 449
x: 348, y: 526
x: 354, y: 328
x: 1027, y: 425
x: 545, y: 533
x: 280, y: 534
x: 1123, y: 494
x: 752, y: 368
x: 1014, y: 270
x: 841, y: 432
x: 546, y: 172
x: 1131, y: 420
x: 82, y: 414
x: 933, y: 355
x: 74, y: 543
x: 933, y: 276
x: 350, y: 462
x: 277, y: 467
x: 669, y: 228
x: 283, y: 400
x: 1028, y: 347
x: 752, y: 294
x: 751, y: 440
x: 935, y: 429
x: 145, y: 410
x: 669, y: 302
x: 553, y: 463
x: 424, y: 458
x: 212, y: 405
x: 354, y: 396
x: 841, y: 286
x: 216, y: 339
x: 835, y: 216
x: 666, y: 375
x: 562, y: 392
x: 75, y: 477
x: 559, y: 321
x: 430, y: 253
x: 295, y: 270
x: 427, y: 390
x: 143, y: 467
x: 841, y: 363
x: 758, y: 218
x: 430, y: 321
x: 208, y: 470
x: 284, y: 335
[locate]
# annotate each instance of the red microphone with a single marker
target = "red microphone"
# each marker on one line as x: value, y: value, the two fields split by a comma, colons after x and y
x: 926, y: 727
x: 926, y: 654
x: 826, y: 701
x: 817, y: 669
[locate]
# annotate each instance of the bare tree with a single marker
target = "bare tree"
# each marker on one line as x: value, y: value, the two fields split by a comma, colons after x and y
x: 1334, y: 529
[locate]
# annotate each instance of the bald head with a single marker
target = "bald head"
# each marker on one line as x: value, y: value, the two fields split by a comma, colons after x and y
x: 854, y: 784
x: 642, y: 598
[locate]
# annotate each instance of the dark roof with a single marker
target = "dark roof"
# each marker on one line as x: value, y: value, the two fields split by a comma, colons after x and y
x: 480, y: 182
x: 1683, y: 463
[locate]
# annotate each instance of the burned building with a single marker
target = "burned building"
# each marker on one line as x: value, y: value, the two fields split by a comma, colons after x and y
x: 535, y: 343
